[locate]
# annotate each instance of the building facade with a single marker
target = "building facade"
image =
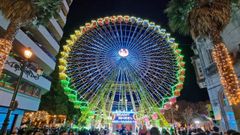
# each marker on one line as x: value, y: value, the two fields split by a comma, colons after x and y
x: 44, y: 42
x: 207, y: 74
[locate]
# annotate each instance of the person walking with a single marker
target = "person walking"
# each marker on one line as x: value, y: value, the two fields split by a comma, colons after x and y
x: 143, y: 131
x: 154, y: 131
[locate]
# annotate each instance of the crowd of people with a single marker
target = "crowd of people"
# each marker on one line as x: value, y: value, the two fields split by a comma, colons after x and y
x: 123, y: 131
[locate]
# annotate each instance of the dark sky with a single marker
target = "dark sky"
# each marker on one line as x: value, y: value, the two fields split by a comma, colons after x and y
x: 82, y: 11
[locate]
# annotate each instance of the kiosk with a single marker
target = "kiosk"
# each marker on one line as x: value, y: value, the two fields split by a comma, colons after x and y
x: 124, y: 120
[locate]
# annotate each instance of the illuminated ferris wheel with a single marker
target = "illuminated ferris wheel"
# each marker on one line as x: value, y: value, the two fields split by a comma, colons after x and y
x: 121, y: 63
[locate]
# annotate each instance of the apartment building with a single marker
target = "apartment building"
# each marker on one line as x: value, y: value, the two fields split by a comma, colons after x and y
x: 44, y: 42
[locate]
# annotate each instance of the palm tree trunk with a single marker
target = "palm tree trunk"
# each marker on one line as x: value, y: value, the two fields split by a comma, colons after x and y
x: 228, y: 77
x: 12, y: 29
x: 225, y: 68
x: 6, y: 43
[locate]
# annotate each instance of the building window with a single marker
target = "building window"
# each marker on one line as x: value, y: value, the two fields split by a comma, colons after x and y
x: 209, y: 52
x: 9, y: 81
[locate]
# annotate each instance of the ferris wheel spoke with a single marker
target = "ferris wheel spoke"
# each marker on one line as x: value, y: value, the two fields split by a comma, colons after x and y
x: 150, y: 41
x: 97, y: 43
x: 136, y: 37
x: 118, y: 36
x: 78, y: 78
x: 146, y: 34
x: 81, y: 72
x: 89, y: 88
x: 107, y: 36
x: 95, y: 78
x: 110, y: 35
x: 135, y: 74
x: 104, y: 37
x: 164, y: 79
x: 144, y: 80
x: 131, y: 35
x: 144, y: 39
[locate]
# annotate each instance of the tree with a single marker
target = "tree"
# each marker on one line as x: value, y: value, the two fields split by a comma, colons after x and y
x: 60, y: 103
x: 20, y: 13
x: 208, y: 18
x: 186, y: 112
x: 56, y: 102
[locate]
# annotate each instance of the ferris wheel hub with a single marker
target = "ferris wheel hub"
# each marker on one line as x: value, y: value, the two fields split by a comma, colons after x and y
x: 123, y: 52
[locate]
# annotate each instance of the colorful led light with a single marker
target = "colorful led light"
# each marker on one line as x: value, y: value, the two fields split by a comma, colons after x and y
x: 67, y: 78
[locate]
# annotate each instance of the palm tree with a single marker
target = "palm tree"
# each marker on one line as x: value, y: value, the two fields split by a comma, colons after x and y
x: 209, y: 18
x: 20, y: 13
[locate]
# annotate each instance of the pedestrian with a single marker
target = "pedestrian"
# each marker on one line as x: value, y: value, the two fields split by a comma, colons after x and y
x: 123, y: 131
x: 143, y: 131
x: 215, y: 131
x: 154, y: 131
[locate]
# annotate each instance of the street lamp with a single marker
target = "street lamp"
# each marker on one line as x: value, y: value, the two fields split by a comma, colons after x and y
x: 197, y: 122
x: 173, y: 108
x: 22, y: 67
x: 27, y: 53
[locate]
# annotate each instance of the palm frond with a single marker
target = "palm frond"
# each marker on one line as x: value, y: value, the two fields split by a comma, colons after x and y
x: 200, y: 16
x: 46, y: 9
x: 27, y: 10
x: 207, y: 19
x: 177, y: 12
x: 17, y: 10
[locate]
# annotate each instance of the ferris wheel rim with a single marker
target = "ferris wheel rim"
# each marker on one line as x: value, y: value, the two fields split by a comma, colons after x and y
x: 119, y: 19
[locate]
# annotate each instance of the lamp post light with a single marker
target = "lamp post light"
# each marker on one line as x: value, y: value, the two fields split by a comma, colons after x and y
x: 197, y: 122
x: 13, y: 104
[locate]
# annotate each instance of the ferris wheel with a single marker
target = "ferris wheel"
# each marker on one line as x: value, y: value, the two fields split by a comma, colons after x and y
x: 121, y: 63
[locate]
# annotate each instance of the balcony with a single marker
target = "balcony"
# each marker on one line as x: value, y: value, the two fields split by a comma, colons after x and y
x: 47, y: 63
x: 24, y: 101
x: 55, y: 29
x: 42, y: 82
x: 65, y: 7
x: 8, y: 81
x: 43, y: 37
x: 61, y: 18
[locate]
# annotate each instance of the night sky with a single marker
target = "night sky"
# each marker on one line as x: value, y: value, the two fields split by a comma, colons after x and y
x: 84, y: 11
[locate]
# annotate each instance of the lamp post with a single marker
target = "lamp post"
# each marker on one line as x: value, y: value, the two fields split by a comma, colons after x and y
x: 173, y: 108
x: 13, y: 104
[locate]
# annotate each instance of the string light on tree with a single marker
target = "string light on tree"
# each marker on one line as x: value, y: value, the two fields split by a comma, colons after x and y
x: 5, y: 48
x: 227, y: 74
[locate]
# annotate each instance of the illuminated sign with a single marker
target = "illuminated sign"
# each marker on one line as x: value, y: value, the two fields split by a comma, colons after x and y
x: 124, y: 117
x: 232, y: 120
